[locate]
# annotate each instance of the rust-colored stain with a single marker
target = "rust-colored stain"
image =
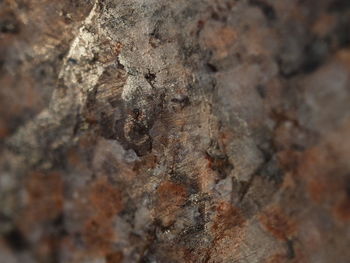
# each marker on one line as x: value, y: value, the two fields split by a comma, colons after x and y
x: 106, y: 202
x: 45, y: 196
x: 87, y: 140
x: 278, y: 223
x: 4, y: 130
x: 277, y: 258
x: 115, y: 257
x: 220, y: 40
x: 324, y: 25
x: 342, y: 208
x: 73, y: 190
x: 227, y: 217
x: 318, y: 170
x: 170, y: 196
x: 118, y: 48
x: 314, y: 169
x: 105, y: 198
x: 171, y: 193
x: 98, y: 234
x: 318, y: 189
x: 227, y: 231
x: 149, y: 161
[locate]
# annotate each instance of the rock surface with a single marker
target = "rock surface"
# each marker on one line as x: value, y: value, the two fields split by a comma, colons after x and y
x: 174, y: 131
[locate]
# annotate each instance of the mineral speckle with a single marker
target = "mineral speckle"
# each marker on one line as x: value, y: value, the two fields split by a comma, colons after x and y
x: 174, y: 131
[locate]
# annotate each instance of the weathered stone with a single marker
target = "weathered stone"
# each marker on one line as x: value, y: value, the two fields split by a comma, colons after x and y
x: 174, y: 131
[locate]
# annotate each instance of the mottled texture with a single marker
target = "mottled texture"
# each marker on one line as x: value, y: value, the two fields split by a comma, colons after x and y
x: 174, y: 131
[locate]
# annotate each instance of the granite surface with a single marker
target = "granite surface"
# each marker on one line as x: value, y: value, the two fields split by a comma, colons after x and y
x: 174, y: 131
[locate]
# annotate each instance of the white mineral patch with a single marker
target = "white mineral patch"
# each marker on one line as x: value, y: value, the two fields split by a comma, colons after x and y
x: 85, y: 39
x: 82, y: 48
x: 133, y: 85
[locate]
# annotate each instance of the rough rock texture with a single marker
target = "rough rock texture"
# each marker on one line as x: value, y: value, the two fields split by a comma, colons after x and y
x: 174, y: 131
